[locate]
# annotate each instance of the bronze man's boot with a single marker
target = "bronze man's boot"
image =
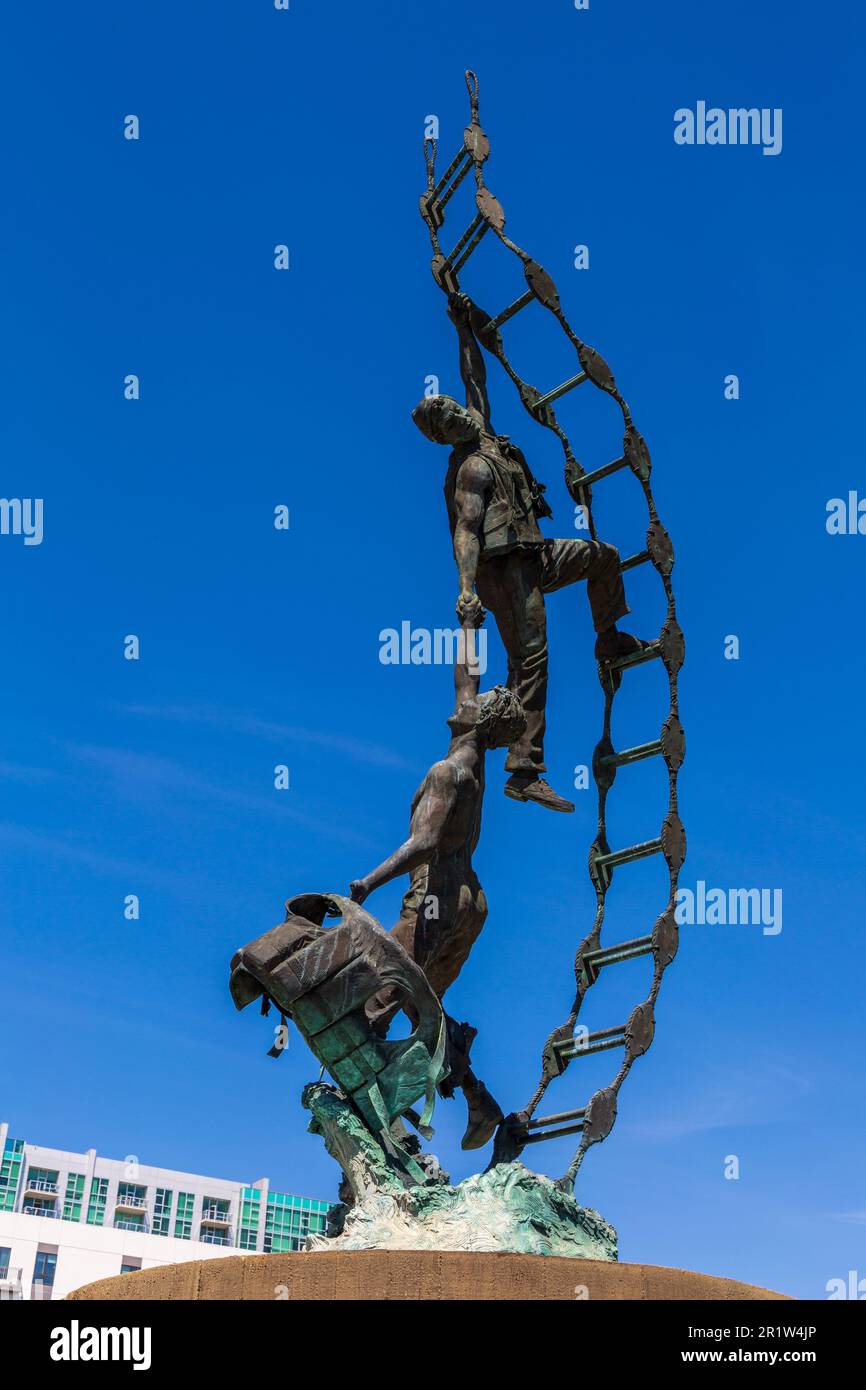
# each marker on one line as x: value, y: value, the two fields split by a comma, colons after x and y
x: 528, y: 786
x: 485, y: 1115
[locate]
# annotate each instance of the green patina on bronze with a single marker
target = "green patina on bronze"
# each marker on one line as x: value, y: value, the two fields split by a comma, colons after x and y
x: 506, y: 1208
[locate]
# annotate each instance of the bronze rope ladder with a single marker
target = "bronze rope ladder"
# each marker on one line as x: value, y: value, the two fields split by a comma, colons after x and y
x: 594, y: 1121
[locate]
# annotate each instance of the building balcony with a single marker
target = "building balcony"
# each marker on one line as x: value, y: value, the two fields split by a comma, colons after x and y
x: 214, y: 1237
x: 122, y: 1223
x: 29, y: 1209
x: 215, y: 1216
x: 130, y: 1203
x: 10, y: 1281
x: 39, y: 1187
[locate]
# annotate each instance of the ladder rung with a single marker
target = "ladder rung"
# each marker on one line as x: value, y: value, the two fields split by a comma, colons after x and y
x: 627, y: 856
x: 509, y: 313
x: 600, y: 473
x: 557, y: 1119
x: 471, y: 247
x: 594, y: 961
x: 634, y: 560
x: 605, y: 1033
x: 471, y: 230
x: 443, y: 182
x: 552, y: 1134
x: 632, y: 755
x: 602, y: 1041
x: 440, y: 203
x: 558, y: 391
x: 636, y: 658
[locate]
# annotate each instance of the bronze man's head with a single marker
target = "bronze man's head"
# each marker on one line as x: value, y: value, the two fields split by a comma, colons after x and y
x: 444, y: 421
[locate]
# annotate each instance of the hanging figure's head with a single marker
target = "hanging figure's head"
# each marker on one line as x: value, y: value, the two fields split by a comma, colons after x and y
x: 445, y: 421
x: 496, y: 715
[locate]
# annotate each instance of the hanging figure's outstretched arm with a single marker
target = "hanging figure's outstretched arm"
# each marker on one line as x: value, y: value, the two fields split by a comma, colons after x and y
x: 467, y: 673
x: 433, y: 805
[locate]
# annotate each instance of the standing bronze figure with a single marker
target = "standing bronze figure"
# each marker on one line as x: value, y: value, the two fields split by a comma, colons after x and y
x: 504, y: 563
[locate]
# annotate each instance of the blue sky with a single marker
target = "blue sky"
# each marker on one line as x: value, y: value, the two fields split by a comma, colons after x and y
x: 260, y: 647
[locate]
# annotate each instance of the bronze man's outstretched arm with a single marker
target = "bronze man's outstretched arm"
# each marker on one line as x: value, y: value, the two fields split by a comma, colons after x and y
x: 467, y: 319
x: 433, y: 807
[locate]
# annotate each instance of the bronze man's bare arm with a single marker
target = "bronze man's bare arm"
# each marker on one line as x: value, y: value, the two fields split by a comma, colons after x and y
x: 425, y: 833
x: 470, y: 494
x: 467, y: 318
x: 467, y: 674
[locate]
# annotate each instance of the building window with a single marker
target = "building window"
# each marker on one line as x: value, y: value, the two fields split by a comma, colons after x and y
x: 45, y: 1268
x: 209, y: 1236
x: 10, y: 1171
x: 215, y: 1216
x: 214, y: 1209
x: 129, y: 1265
x: 40, y: 1192
x: 131, y: 1196
x: 74, y: 1194
x: 39, y: 1206
x: 290, y: 1220
x: 130, y: 1206
x: 96, y: 1205
x: 248, y: 1238
x: 5, y: 1257
x: 162, y: 1211
x: 42, y: 1180
x: 183, y: 1221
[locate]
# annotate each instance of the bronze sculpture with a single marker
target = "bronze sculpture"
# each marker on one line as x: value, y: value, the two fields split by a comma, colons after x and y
x: 444, y: 907
x: 504, y: 562
x: 343, y: 986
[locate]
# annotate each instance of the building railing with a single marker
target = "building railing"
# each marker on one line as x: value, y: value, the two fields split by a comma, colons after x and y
x: 213, y: 1238
x: 120, y: 1224
x: 222, y: 1215
x: 40, y: 1185
x: 31, y: 1210
x: 10, y: 1284
x: 131, y: 1200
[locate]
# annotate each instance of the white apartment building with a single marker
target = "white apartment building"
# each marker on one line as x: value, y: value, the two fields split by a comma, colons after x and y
x: 67, y: 1219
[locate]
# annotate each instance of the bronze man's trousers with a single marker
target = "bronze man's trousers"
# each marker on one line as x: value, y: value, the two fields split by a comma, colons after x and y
x: 512, y: 587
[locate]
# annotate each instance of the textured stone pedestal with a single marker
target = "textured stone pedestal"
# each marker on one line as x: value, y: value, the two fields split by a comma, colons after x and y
x: 366, y: 1275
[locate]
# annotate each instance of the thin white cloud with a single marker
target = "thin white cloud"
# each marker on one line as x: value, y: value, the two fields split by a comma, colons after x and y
x: 361, y: 750
x: 56, y: 847
x: 32, y: 776
x: 760, y: 1096
x: 134, y: 774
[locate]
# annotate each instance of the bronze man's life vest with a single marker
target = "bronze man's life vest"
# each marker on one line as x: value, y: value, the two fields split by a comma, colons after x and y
x: 514, y: 504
